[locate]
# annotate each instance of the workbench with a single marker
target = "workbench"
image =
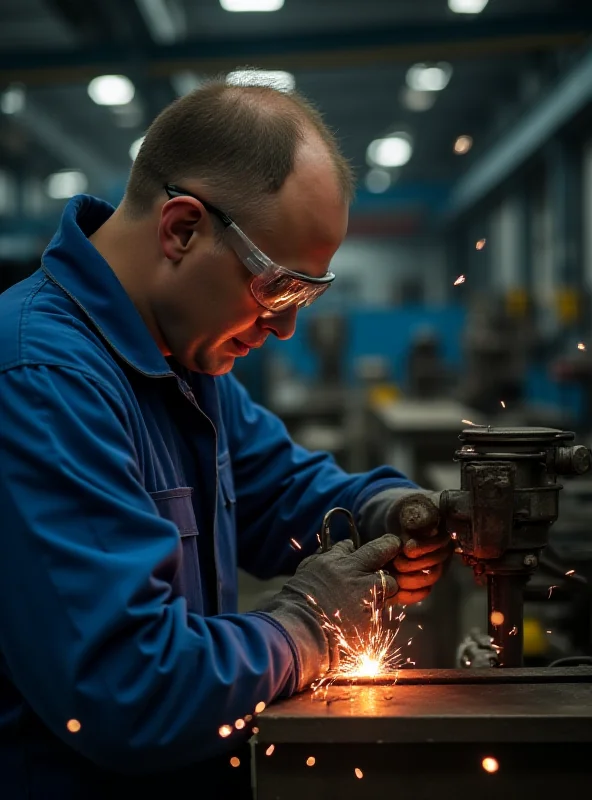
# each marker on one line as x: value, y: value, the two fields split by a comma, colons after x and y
x: 426, y: 736
x: 413, y: 427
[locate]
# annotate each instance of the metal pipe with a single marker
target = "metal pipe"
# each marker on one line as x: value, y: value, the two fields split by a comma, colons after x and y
x: 505, y: 594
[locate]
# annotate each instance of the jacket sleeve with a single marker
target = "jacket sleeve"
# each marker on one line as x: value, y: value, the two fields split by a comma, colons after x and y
x: 90, y: 627
x: 283, y: 490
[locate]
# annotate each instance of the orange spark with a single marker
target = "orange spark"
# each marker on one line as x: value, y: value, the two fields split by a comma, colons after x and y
x: 270, y: 750
x: 358, y: 772
x: 295, y: 544
x: 497, y: 618
x: 570, y: 572
x: 459, y: 280
x: 549, y: 631
x: 480, y: 244
x: 239, y: 724
x: 255, y: 730
x: 514, y: 631
x: 467, y: 422
x: 581, y: 346
x: 235, y: 762
x: 454, y: 535
x: 73, y: 725
x: 490, y: 764
x: 310, y: 761
x: 259, y: 707
x: 551, y: 591
x: 409, y: 642
x: 224, y: 731
x: 420, y: 627
x: 503, y: 404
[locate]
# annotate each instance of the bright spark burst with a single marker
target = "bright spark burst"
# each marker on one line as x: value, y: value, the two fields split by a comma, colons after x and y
x: 225, y: 730
x: 480, y: 244
x: 259, y: 707
x: 239, y: 724
x: 73, y: 725
x: 270, y: 750
x: 503, y: 404
x: 514, y: 631
x: 468, y: 422
x: 551, y: 591
x: 296, y: 545
x: 570, y: 572
x: 235, y: 762
x: 358, y: 772
x: 255, y: 730
x: 581, y: 346
x: 365, y: 655
x: 459, y: 280
x: 310, y: 761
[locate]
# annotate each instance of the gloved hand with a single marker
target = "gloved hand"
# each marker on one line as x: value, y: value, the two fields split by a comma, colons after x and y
x: 339, y: 580
x: 413, y: 516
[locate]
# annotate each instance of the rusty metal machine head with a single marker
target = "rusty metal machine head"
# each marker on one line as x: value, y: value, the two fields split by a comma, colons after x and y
x: 502, y: 514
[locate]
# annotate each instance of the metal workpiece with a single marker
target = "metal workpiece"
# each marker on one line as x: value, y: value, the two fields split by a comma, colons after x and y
x: 427, y: 736
x: 502, y: 514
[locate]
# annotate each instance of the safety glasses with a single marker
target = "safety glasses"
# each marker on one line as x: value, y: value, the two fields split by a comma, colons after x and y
x: 274, y: 287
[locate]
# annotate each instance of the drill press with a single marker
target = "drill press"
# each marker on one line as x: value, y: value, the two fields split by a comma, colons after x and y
x: 502, y: 514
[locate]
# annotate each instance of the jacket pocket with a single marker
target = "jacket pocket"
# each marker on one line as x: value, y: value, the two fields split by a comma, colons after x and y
x: 176, y: 506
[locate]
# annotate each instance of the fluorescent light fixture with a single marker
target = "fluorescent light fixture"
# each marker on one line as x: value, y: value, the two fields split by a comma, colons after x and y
x: 417, y: 101
x: 135, y: 148
x: 66, y: 183
x: 462, y: 145
x: 392, y: 151
x: 251, y: 5
x: 429, y: 77
x: 111, y: 90
x: 277, y: 79
x: 467, y: 6
x: 12, y: 100
x: 377, y: 180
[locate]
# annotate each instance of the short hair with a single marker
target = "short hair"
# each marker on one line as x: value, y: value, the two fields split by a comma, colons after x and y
x: 241, y: 140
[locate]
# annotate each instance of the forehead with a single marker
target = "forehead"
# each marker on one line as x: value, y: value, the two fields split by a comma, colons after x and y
x: 308, y: 216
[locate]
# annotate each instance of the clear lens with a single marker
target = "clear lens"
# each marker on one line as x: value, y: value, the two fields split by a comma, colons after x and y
x: 276, y: 291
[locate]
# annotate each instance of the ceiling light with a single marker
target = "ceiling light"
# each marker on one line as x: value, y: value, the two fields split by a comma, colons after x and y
x: 377, y: 180
x: 66, y: 183
x: 12, y: 100
x: 392, y: 151
x: 251, y: 5
x: 135, y: 148
x: 111, y: 90
x: 416, y: 101
x: 277, y: 79
x: 467, y: 6
x: 462, y: 145
x: 429, y: 77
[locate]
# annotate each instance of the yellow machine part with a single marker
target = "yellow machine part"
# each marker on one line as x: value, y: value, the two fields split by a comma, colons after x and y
x: 536, y: 640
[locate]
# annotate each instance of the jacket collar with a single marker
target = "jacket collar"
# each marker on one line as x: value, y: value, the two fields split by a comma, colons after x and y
x: 72, y: 262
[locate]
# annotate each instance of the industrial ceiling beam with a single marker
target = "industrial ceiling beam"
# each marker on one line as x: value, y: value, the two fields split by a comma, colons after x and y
x: 457, y: 39
x: 67, y: 148
x: 570, y: 95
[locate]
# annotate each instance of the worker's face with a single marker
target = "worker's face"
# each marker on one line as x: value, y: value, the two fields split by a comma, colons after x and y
x: 203, y: 304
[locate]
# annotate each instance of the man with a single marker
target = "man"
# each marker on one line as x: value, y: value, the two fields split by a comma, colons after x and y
x: 136, y: 474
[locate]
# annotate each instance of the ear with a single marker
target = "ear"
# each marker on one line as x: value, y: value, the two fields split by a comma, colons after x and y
x: 182, y: 221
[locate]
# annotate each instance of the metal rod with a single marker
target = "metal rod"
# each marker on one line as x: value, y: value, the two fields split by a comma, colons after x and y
x: 505, y: 594
x: 326, y: 530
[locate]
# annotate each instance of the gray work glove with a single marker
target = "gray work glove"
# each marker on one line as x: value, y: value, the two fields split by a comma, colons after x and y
x: 413, y: 516
x: 340, y: 580
x: 476, y: 651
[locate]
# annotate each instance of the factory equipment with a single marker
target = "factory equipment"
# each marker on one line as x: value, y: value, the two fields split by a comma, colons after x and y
x: 441, y: 733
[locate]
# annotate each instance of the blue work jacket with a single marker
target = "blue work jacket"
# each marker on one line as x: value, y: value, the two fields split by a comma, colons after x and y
x: 130, y: 492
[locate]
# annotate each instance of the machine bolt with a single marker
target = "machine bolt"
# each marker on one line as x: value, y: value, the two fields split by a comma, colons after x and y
x: 530, y: 561
x: 572, y: 460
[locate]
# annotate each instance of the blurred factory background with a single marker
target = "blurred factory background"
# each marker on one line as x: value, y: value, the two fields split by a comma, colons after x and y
x: 464, y: 287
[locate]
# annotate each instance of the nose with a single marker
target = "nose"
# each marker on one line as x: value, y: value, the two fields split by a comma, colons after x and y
x: 282, y: 324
